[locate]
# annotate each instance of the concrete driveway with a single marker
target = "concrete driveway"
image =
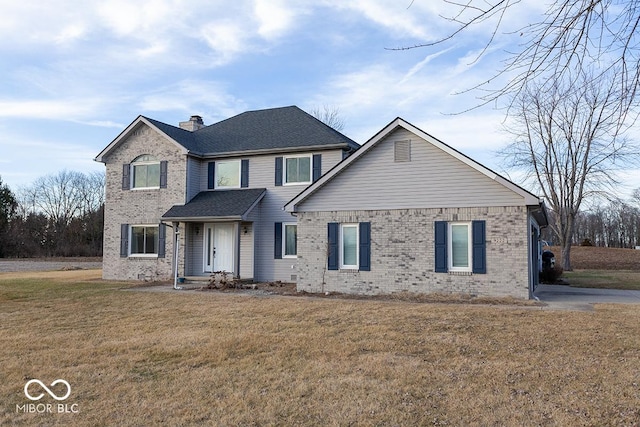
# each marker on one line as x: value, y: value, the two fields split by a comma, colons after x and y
x: 568, y: 298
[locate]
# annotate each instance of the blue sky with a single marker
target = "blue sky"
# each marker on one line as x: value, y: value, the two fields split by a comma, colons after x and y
x: 75, y: 73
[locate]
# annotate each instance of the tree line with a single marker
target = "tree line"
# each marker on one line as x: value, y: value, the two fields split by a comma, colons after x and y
x: 615, y: 225
x: 59, y: 215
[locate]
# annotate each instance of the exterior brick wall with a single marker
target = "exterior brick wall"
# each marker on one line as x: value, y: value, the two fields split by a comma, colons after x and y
x: 141, y: 206
x: 403, y: 253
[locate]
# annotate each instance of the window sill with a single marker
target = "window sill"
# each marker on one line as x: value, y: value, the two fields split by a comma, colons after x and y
x: 288, y: 184
x: 145, y: 188
x: 143, y: 256
x: 460, y: 273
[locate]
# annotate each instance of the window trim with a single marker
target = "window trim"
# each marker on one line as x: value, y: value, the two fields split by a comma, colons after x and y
x: 342, y: 265
x: 469, y: 267
x: 284, y: 169
x: 132, y: 173
x: 143, y: 255
x: 215, y: 174
x: 284, y: 239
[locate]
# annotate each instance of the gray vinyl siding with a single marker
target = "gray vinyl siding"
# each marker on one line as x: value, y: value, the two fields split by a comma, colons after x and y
x: 257, y: 246
x: 432, y: 179
x: 246, y: 250
x: 195, y: 247
x: 194, y: 173
x: 262, y: 174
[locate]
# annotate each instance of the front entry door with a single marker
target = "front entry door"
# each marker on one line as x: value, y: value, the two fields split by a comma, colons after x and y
x: 219, y: 247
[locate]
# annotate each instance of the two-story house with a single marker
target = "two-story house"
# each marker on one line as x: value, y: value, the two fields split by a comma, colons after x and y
x: 211, y: 198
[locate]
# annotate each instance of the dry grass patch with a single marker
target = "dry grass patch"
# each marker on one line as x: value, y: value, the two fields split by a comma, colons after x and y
x: 597, y: 258
x: 139, y: 358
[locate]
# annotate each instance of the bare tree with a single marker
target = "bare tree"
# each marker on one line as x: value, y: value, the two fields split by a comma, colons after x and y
x: 569, y: 142
x: 571, y: 35
x: 330, y: 116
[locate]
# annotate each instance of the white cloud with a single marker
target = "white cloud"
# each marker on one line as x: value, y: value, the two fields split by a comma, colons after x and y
x: 226, y: 38
x: 59, y: 109
x: 274, y: 17
x: 205, y: 98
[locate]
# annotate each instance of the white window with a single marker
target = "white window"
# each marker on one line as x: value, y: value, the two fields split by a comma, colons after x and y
x: 145, y: 171
x: 297, y: 170
x: 144, y: 240
x: 289, y: 240
x: 459, y: 246
x: 349, y: 246
x: 228, y: 174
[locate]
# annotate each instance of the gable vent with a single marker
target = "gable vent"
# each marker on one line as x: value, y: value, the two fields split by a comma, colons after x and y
x: 402, y: 151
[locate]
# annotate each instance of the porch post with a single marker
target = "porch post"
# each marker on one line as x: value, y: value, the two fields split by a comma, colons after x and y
x: 176, y: 247
x: 238, y: 237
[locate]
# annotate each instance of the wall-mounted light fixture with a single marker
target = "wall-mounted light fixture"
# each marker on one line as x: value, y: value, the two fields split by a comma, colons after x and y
x: 245, y: 229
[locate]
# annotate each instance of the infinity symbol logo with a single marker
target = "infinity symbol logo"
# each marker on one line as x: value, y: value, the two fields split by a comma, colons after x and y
x: 52, y: 394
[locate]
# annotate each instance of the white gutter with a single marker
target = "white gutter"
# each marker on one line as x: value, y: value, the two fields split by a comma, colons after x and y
x: 176, y: 248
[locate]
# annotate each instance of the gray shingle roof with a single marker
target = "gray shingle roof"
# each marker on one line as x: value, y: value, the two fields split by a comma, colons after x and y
x: 270, y: 129
x: 221, y: 203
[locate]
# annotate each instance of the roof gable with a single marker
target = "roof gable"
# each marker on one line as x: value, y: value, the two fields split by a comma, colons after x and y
x: 158, y: 127
x: 439, y: 171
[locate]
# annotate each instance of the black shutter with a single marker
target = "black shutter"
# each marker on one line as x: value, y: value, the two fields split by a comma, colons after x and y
x: 162, y: 240
x: 365, y: 246
x: 211, y: 175
x: 277, y: 237
x: 479, y: 257
x: 126, y: 178
x: 244, y: 173
x: 163, y: 174
x: 441, y: 264
x: 333, y: 256
x: 124, y: 240
x: 317, y: 167
x: 278, y: 171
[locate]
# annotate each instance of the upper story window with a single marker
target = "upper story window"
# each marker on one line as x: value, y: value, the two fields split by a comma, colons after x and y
x: 228, y: 174
x: 225, y: 174
x: 297, y: 170
x: 145, y: 171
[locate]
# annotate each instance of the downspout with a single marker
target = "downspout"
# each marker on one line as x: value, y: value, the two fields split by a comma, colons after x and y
x: 176, y: 248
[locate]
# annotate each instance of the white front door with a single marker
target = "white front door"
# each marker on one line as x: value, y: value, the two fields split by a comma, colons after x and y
x: 219, y: 254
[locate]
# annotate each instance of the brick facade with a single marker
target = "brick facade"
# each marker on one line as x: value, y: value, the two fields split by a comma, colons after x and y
x: 143, y: 207
x: 403, y: 253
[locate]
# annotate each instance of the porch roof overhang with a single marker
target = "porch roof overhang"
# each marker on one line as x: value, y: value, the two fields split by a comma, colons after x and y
x: 216, y: 206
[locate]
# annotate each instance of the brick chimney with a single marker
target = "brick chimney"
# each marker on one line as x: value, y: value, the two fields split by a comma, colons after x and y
x: 194, y: 123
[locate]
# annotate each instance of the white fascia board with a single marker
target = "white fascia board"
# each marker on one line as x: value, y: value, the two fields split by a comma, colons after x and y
x: 292, y: 205
x: 529, y: 198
